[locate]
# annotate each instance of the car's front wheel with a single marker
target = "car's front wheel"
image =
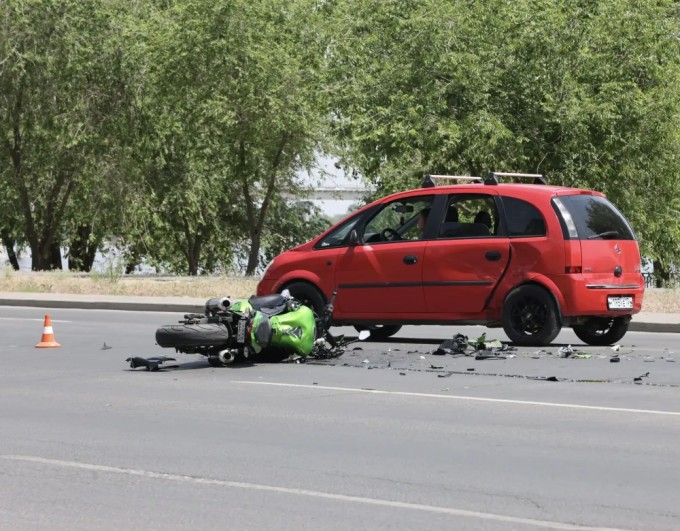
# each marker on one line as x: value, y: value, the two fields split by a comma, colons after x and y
x: 379, y: 332
x: 307, y: 295
x: 601, y: 331
x: 530, y: 316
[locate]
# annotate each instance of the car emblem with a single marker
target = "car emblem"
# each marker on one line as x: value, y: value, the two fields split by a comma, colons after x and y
x: 617, y: 249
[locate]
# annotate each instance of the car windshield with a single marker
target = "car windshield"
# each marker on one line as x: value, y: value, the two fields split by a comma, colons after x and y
x: 399, y: 219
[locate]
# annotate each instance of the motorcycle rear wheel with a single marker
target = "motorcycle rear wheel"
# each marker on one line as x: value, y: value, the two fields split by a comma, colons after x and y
x: 192, y: 335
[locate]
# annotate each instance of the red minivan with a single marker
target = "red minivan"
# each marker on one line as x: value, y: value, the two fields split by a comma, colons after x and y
x: 531, y: 258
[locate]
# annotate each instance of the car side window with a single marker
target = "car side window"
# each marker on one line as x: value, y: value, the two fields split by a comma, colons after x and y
x: 523, y: 218
x: 398, y: 220
x: 469, y: 216
x: 338, y: 236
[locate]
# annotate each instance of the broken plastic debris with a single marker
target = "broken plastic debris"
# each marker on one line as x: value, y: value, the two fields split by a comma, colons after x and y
x: 615, y: 359
x: 616, y: 348
x: 457, y: 345
x: 494, y: 343
x: 151, y: 364
x: 436, y: 367
x: 544, y: 378
x: 565, y: 352
x: 422, y: 357
x: 106, y: 347
x: 366, y: 361
x: 582, y: 356
x: 488, y: 355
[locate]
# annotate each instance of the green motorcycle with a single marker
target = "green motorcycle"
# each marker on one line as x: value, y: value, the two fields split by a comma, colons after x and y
x: 271, y: 328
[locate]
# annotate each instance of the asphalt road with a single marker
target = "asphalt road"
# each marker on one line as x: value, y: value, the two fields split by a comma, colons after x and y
x: 386, y: 437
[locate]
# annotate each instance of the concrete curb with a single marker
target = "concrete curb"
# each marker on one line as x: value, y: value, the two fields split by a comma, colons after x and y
x: 88, y: 302
x: 643, y: 326
x: 642, y: 322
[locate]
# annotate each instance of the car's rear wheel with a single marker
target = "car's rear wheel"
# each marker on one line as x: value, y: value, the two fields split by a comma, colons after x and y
x: 379, y: 332
x: 530, y: 316
x: 600, y: 331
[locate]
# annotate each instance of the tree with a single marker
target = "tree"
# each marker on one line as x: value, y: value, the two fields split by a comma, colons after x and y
x: 584, y: 92
x: 54, y: 99
x: 231, y: 109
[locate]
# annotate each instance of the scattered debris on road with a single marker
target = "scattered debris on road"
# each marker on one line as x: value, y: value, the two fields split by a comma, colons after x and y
x: 151, y: 364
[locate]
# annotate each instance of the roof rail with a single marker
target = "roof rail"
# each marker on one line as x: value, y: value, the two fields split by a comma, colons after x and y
x: 494, y: 175
x: 428, y: 182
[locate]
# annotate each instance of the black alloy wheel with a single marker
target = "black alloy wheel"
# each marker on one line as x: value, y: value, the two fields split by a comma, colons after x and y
x: 530, y: 316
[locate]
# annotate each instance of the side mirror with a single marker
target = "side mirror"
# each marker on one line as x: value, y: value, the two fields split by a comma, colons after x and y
x: 353, y: 237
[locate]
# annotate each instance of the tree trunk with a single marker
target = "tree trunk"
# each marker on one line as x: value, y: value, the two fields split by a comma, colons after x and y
x: 256, y: 222
x: 661, y: 275
x: 45, y: 256
x: 81, y: 252
x: 253, y: 254
x: 192, y: 246
x: 9, y: 243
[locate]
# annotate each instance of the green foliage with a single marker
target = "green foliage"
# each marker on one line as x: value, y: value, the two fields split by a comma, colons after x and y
x: 585, y: 92
x: 178, y: 126
x: 57, y: 90
x: 229, y: 111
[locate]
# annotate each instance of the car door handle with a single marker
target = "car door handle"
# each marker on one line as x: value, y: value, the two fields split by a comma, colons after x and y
x: 410, y: 259
x: 492, y: 255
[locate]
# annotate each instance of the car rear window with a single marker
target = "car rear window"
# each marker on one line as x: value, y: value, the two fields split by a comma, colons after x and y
x: 593, y: 217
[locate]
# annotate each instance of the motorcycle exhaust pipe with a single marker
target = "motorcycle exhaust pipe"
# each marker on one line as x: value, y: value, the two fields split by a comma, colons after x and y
x: 217, y: 304
x: 226, y: 356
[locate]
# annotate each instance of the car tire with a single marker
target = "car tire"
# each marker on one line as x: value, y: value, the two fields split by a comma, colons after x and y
x: 379, y: 332
x: 600, y: 332
x: 307, y: 295
x: 530, y: 316
x: 192, y: 335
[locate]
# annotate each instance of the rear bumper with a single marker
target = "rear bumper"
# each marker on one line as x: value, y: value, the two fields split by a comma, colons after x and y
x: 588, y: 296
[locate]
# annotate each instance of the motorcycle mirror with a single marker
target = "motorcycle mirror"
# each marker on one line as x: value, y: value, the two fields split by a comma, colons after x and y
x: 364, y: 334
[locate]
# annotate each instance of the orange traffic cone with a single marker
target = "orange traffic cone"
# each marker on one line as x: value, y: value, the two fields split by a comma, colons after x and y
x: 48, y: 340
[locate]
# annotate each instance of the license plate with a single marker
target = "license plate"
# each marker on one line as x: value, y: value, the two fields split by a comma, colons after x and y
x: 620, y: 303
x: 241, y: 331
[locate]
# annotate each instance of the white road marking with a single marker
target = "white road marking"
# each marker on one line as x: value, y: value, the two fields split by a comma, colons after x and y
x: 546, y: 524
x: 472, y: 398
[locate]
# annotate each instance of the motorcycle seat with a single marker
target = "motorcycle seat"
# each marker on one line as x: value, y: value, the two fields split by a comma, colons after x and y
x: 267, y: 301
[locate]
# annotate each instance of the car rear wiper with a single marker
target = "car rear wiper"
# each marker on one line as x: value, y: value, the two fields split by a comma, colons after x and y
x: 606, y: 235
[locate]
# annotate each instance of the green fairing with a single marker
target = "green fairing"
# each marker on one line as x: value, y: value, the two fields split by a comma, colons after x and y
x: 241, y: 306
x: 293, y: 332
